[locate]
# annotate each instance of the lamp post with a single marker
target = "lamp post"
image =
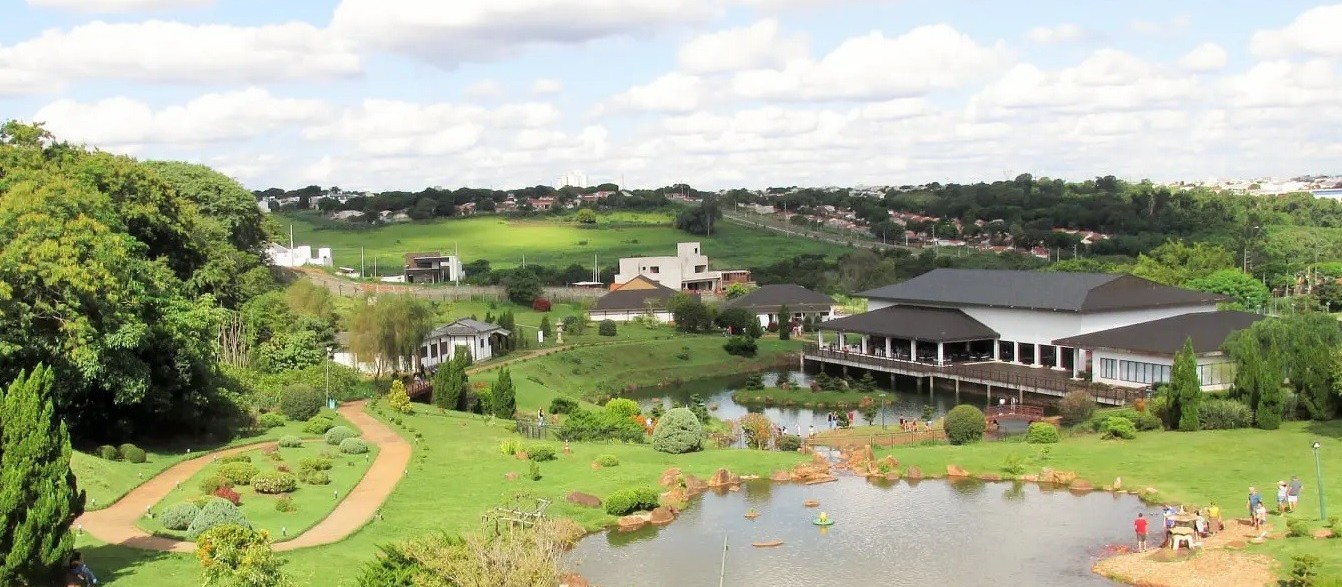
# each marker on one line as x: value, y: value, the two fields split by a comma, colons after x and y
x: 882, y: 406
x: 330, y: 356
x: 1318, y: 473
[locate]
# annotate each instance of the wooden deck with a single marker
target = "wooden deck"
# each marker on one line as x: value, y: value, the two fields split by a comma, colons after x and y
x: 1023, y: 378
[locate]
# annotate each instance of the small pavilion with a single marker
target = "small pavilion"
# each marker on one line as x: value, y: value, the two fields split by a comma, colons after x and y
x: 912, y: 333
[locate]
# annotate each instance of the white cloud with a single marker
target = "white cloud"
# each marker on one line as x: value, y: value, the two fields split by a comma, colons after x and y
x: 673, y: 92
x: 755, y: 46
x: 106, y: 6
x: 1176, y: 25
x: 391, y: 128
x: 488, y: 88
x: 1108, y: 80
x: 1063, y: 33
x: 1283, y: 84
x: 1204, y: 58
x: 126, y: 124
x: 448, y: 33
x: 160, y: 51
x: 1314, y: 32
x: 547, y: 86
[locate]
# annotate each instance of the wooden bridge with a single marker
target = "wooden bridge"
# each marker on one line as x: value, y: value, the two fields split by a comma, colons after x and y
x: 419, y: 388
x: 1014, y: 412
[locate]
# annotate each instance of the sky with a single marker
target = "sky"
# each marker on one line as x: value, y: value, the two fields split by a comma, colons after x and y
x: 406, y: 94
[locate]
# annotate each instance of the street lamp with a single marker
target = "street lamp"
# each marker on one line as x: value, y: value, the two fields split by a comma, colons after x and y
x: 882, y: 406
x: 1318, y: 473
x: 330, y: 356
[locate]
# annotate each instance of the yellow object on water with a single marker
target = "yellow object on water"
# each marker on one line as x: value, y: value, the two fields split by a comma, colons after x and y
x: 823, y: 517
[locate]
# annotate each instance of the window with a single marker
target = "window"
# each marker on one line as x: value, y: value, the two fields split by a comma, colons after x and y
x: 1216, y: 373
x: 1108, y: 368
x: 656, y: 269
x: 1137, y: 371
x: 482, y: 343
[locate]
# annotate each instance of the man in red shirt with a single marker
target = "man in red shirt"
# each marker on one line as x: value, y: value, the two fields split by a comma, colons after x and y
x: 1140, y: 525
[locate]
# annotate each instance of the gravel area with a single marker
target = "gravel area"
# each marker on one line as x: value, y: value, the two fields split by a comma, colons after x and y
x: 1220, y: 562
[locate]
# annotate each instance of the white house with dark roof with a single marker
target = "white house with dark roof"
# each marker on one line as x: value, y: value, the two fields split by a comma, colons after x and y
x: 477, y: 337
x: 766, y: 301
x: 640, y: 296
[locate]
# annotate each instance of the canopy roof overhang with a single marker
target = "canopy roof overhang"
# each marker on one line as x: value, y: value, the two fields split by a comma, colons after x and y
x: 914, y: 323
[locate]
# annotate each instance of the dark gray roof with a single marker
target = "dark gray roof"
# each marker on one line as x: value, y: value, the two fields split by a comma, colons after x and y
x: 1039, y: 290
x: 1166, y: 336
x: 634, y: 299
x: 914, y: 322
x: 466, y: 327
x: 770, y: 298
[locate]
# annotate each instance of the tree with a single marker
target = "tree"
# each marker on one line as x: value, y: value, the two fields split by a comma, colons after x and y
x: 545, y: 327
x: 784, y: 322
x: 1186, y: 388
x: 1300, y: 350
x: 737, y: 290
x: 1249, y: 293
x: 522, y: 287
x: 690, y: 314
x: 503, y: 396
x: 389, y: 329
x: 38, y: 500
x: 678, y: 431
x: 586, y: 216
x: 398, y: 399
x: 753, y: 329
x: 450, y: 382
x: 1175, y: 263
x: 700, y: 219
x: 234, y: 556
x: 736, y: 320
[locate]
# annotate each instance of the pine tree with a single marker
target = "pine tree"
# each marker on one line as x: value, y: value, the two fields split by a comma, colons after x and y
x: 38, y: 499
x: 546, y: 329
x: 503, y: 397
x: 398, y: 399
x: 784, y: 323
x: 1186, y: 386
x: 450, y: 382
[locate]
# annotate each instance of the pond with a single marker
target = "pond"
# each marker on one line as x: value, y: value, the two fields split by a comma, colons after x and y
x: 921, y: 533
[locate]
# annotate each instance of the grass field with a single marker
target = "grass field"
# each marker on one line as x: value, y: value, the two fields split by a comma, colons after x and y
x: 555, y: 243
x: 313, y: 502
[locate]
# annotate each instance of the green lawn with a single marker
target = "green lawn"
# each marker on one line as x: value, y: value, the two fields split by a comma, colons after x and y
x: 314, y: 502
x: 556, y: 243
x: 105, y: 481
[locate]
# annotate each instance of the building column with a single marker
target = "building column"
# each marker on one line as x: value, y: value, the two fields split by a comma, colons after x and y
x: 1076, y: 363
x: 889, y: 348
x: 820, y: 338
x: 1057, y: 357
x: 913, y: 350
x: 1036, y: 354
x: 863, y: 343
x: 997, y: 350
x: 843, y: 341
x: 941, y: 352
x: 1015, y: 352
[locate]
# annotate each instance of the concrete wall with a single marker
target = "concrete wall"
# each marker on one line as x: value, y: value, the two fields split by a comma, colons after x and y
x: 1217, y: 360
x: 627, y: 316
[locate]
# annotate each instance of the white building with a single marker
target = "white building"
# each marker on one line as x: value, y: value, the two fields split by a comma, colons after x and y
x: 298, y: 256
x: 476, y: 337
x: 767, y: 301
x: 686, y: 271
x: 632, y: 300
x: 575, y: 179
x: 432, y: 267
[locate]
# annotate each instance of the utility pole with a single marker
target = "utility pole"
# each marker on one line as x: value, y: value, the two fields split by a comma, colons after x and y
x: 456, y: 260
x: 362, y: 272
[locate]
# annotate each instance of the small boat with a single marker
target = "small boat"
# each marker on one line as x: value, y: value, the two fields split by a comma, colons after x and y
x: 820, y: 522
x: 811, y: 503
x: 768, y: 544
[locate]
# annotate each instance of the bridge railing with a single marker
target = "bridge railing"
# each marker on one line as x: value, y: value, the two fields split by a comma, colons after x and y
x: 418, y: 388
x: 1015, y: 410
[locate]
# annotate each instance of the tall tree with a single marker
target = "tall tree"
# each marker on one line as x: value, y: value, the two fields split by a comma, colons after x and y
x: 1185, y: 384
x: 38, y: 500
x: 388, y: 330
x: 503, y: 396
x: 784, y: 322
x: 1176, y: 263
x: 1249, y: 293
x: 450, y: 381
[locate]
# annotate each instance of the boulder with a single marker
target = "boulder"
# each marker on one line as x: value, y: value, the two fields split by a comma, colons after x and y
x: 989, y: 477
x: 596, y: 466
x: 510, y: 476
x: 632, y: 522
x: 670, y: 477
x: 780, y: 476
x: 720, y: 478
x: 913, y: 473
x: 956, y: 471
x: 811, y: 503
x: 1323, y: 533
x: 573, y: 580
x: 1081, y: 485
x: 694, y: 485
x: 662, y: 515
x: 1118, y: 483
x: 586, y: 500
x: 675, y: 496
x: 1030, y: 478
x: 893, y: 475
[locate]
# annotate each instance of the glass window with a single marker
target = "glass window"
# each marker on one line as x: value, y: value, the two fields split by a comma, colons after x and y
x: 1139, y: 372
x: 1109, y: 368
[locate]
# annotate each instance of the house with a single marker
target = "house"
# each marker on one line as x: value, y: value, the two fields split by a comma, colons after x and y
x: 686, y: 271
x: 765, y: 302
x: 432, y: 268
x: 298, y: 256
x: 476, y: 337
x: 1020, y: 317
x: 1140, y: 355
x: 640, y: 296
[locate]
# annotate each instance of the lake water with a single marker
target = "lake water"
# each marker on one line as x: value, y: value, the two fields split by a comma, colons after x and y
x: 928, y: 533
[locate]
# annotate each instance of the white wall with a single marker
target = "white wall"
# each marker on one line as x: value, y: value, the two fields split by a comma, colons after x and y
x: 627, y: 316
x: 765, y: 317
x: 1216, y: 358
x: 473, y: 343
x: 1043, y: 327
x: 668, y: 270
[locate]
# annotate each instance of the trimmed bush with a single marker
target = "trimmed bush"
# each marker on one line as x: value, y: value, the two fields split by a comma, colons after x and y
x: 290, y: 441
x: 510, y: 446
x: 624, y: 408
x: 217, y: 512
x: 179, y: 517
x: 1119, y: 427
x: 274, y: 482
x: 1076, y: 407
x: 540, y: 305
x: 270, y: 420
x: 234, y: 459
x: 353, y: 446
x: 286, y: 504
x: 607, y: 328
x: 132, y: 454
x: 628, y: 501
x: 589, y: 425
x: 212, y: 483
x: 314, y: 477
x: 1224, y: 414
x: 337, y: 435
x: 541, y: 453
x: 229, y: 494
x: 318, y: 425
x: 608, y: 461
x: 741, y: 346
x: 965, y: 424
x: 300, y: 402
x: 679, y: 431
x: 789, y: 442
x: 1042, y: 433
x: 238, y: 473
x: 1142, y: 421
x: 315, y: 464
x: 562, y: 405
x: 108, y: 452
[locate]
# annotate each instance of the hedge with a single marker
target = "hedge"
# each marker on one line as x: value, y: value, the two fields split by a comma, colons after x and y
x: 1042, y: 433
x: 238, y: 473
x: 541, y: 452
x: 318, y: 425
x: 132, y: 454
x: 353, y: 446
x: 314, y: 477
x: 217, y: 512
x: 274, y: 482
x: 300, y: 402
x: 678, y: 432
x: 179, y: 517
x: 628, y: 501
x: 290, y: 441
x: 338, y: 434
x: 965, y: 424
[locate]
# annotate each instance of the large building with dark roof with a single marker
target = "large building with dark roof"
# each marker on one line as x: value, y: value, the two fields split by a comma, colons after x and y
x: 767, y: 301
x: 1117, y: 329
x: 638, y: 297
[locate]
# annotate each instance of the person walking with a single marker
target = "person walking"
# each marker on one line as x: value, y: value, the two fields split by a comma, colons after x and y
x: 1255, y: 500
x: 1293, y: 493
x: 1140, y: 526
x: 80, y: 570
x: 811, y: 431
x: 1282, y: 493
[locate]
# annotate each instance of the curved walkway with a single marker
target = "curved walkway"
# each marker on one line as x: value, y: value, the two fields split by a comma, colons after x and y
x: 116, y: 523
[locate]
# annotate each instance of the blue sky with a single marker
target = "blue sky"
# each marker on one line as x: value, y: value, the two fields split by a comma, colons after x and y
x: 399, y: 94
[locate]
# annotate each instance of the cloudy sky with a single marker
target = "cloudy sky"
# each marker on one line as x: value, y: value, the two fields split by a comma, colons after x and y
x: 402, y: 94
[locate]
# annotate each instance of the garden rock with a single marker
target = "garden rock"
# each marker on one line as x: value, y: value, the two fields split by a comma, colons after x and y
x: 721, y: 478
x: 990, y: 477
x: 893, y: 475
x: 780, y: 476
x: 1081, y: 485
x: 676, y: 496
x: 914, y: 473
x: 956, y: 471
x: 573, y: 580
x: 694, y: 485
x: 586, y: 500
x: 510, y: 476
x: 670, y: 477
x: 662, y: 515
x: 632, y: 522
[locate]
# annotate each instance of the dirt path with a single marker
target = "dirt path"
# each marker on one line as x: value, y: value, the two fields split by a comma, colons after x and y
x: 1221, y: 562
x: 116, y: 524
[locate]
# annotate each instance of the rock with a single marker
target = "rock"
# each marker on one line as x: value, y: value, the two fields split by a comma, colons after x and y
x: 989, y: 477
x: 676, y: 496
x: 1030, y: 478
x: 914, y: 473
x: 733, y: 488
x: 780, y: 476
x: 1323, y: 533
x: 662, y: 515
x: 889, y: 460
x: 573, y: 580
x: 1150, y: 491
x: 670, y: 477
x: 1081, y: 485
x: 720, y: 478
x: 694, y: 485
x: 811, y: 503
x: 893, y: 475
x: 510, y: 476
x: 521, y: 455
x: 632, y: 522
x: 956, y: 471
x: 1118, y: 483
x: 1063, y: 478
x: 586, y: 500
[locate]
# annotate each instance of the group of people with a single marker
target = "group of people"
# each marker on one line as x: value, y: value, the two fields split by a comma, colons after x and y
x: 912, y: 425
x: 1207, y: 521
x: 1288, y: 497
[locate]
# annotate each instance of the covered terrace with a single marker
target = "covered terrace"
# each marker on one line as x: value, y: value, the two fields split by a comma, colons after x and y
x: 936, y: 336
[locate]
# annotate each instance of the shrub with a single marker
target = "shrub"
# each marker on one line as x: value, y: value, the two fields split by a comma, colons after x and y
x: 238, y: 473
x: 510, y: 446
x: 1076, y: 407
x: 234, y: 459
x: 398, y: 400
x: 209, y: 484
x: 318, y: 425
x: 108, y: 452
x: 587, y: 425
x: 965, y: 424
x: 789, y: 442
x: 540, y: 305
x: 1042, y: 433
x: 353, y: 446
x: 741, y: 346
x: 217, y: 512
x: 300, y: 402
x: 1014, y: 464
x: 314, y: 464
x: 628, y: 501
x: 1296, y: 528
x: 132, y: 454
x: 228, y: 493
x: 179, y: 517
x: 534, y: 471
x: 314, y: 477
x: 285, y: 504
x: 541, y: 453
x: 624, y: 408
x: 608, y: 461
x: 337, y: 435
x: 562, y: 405
x: 290, y: 441
x: 270, y: 420
x: 1142, y: 421
x: 1224, y: 414
x: 679, y: 431
x: 274, y: 482
x: 1118, y: 427
x: 607, y: 328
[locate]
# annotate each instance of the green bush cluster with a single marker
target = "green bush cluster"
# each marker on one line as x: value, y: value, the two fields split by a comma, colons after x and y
x: 627, y: 501
x: 290, y: 441
x: 286, y: 504
x: 108, y: 452
x: 212, y: 483
x: 1042, y: 433
x: 589, y: 425
x: 353, y: 446
x: 270, y: 420
x: 789, y: 442
x: 318, y: 425
x: 273, y: 482
x: 1224, y: 414
x: 608, y: 461
x: 510, y: 446
x: 741, y: 346
x: 607, y: 328
x: 217, y: 512
x: 965, y: 424
x: 1141, y: 421
x: 541, y: 453
x: 233, y: 459
x: 338, y: 434
x: 562, y: 405
x: 179, y: 517
x: 300, y: 402
x: 315, y: 464
x: 679, y: 431
x: 623, y: 407
x: 1118, y: 427
x: 314, y: 477
x: 238, y: 473
x: 131, y: 453
x: 1076, y: 407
